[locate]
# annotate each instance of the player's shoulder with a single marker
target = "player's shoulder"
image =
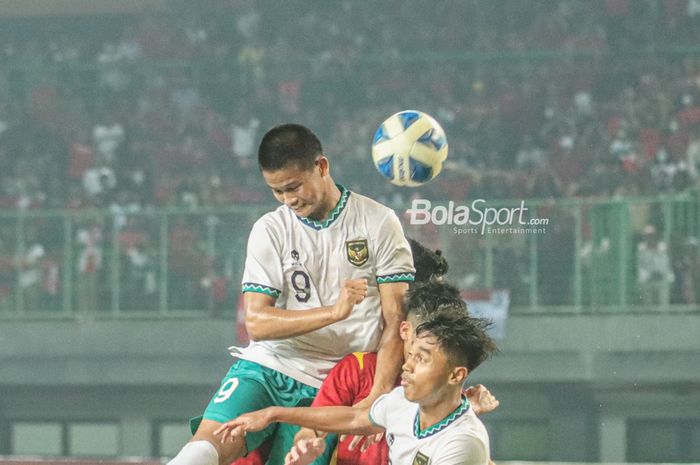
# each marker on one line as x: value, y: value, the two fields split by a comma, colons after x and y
x: 472, y: 426
x: 375, y: 211
x: 273, y: 219
x: 464, y: 434
x: 397, y: 397
x: 458, y: 442
x: 369, y: 203
x: 391, y: 407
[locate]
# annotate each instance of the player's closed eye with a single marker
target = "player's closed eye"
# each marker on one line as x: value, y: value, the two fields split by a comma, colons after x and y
x: 287, y: 189
x: 415, y: 356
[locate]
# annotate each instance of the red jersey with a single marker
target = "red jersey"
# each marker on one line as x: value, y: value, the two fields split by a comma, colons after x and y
x: 347, y: 383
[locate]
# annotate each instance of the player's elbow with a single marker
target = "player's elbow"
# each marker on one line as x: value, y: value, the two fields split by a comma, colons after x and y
x: 254, y: 330
x: 254, y: 326
x: 260, y: 321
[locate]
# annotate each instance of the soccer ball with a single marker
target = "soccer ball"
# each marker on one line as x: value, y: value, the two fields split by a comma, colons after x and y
x: 409, y: 148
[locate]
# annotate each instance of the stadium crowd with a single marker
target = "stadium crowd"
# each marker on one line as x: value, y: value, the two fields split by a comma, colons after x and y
x: 539, y: 99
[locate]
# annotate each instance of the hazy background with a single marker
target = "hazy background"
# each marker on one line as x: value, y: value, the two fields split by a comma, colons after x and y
x: 128, y: 186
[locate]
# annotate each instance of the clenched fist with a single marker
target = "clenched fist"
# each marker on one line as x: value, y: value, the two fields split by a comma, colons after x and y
x: 352, y: 293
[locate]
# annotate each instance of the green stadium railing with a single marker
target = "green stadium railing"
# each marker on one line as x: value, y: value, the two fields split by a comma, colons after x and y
x: 155, y: 262
x: 188, y: 262
x: 582, y: 257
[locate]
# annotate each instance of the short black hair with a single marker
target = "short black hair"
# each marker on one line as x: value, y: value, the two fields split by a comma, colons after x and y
x: 288, y: 145
x: 428, y: 264
x: 461, y: 336
x: 422, y: 299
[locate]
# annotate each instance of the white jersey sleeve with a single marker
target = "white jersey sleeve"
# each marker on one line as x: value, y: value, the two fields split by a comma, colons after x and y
x: 381, y: 406
x: 394, y: 259
x: 263, y: 270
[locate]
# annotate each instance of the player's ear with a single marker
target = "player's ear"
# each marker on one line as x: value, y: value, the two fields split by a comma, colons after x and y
x: 323, y: 165
x: 404, y: 328
x: 458, y: 375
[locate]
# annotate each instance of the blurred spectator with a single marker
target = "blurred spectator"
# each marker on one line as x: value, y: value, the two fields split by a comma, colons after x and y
x: 596, y: 272
x: 124, y: 204
x: 654, y: 273
x: 30, y: 274
x: 82, y: 158
x: 663, y: 172
x: 99, y: 183
x: 621, y: 148
x: 139, y: 264
x: 215, y: 286
x: 530, y: 157
x: 50, y: 283
x: 185, y: 99
x: 89, y: 241
x: 244, y: 135
x: 108, y: 135
x: 140, y: 287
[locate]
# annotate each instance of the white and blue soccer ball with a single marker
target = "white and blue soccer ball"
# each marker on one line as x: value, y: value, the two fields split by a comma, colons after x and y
x: 409, y: 148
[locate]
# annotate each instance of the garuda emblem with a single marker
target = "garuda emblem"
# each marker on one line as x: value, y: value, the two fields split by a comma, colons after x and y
x: 357, y: 251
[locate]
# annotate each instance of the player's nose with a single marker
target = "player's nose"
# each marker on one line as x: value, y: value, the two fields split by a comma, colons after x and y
x: 289, y: 199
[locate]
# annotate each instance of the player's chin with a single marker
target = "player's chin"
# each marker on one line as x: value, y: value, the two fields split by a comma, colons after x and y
x: 310, y: 212
x: 298, y: 209
x: 409, y: 392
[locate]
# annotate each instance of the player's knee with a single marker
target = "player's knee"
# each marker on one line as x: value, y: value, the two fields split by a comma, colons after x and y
x: 228, y: 451
x: 197, y: 453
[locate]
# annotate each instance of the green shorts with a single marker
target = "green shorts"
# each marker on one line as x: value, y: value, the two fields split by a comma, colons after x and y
x: 247, y: 387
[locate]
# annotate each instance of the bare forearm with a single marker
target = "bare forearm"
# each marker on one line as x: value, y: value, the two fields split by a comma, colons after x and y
x: 264, y: 320
x: 348, y: 420
x: 276, y: 323
x: 389, y: 361
x: 390, y: 353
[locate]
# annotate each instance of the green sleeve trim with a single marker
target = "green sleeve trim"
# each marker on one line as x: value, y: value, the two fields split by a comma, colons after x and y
x: 396, y: 278
x: 261, y: 289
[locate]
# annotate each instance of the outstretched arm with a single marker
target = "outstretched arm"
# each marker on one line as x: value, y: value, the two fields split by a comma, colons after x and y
x: 349, y: 420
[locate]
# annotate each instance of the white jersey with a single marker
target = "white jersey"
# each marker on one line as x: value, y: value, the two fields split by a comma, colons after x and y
x: 459, y: 439
x: 303, y: 263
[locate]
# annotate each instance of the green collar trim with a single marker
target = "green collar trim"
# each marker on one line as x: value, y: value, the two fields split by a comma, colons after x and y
x: 335, y: 213
x: 437, y: 427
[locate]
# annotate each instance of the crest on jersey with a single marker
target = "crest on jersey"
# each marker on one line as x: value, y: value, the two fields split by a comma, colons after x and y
x: 420, y: 459
x: 357, y: 251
